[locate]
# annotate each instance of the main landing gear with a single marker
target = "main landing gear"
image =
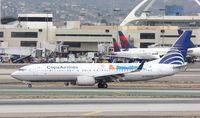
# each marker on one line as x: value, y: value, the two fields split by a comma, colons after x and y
x: 102, y: 84
x: 191, y: 59
x: 29, y: 85
x: 66, y: 84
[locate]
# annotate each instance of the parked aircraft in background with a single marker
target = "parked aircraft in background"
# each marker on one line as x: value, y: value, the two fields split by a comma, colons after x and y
x: 88, y: 74
x: 149, y: 53
x: 133, y: 54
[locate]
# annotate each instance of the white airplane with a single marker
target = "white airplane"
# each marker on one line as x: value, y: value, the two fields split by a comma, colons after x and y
x: 134, y: 53
x: 89, y: 74
x: 128, y: 51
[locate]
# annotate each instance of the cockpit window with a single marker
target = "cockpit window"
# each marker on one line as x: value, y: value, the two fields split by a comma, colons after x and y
x: 21, y: 69
x: 155, y: 53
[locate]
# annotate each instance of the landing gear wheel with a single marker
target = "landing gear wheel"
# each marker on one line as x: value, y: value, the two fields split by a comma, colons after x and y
x: 102, y: 85
x: 67, y: 84
x: 191, y: 59
x: 29, y: 85
x: 105, y: 85
x: 99, y: 85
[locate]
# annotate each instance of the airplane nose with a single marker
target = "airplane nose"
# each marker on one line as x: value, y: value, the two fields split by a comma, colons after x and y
x: 15, y: 74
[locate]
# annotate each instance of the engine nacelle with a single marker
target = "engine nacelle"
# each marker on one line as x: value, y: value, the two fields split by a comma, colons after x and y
x: 85, y: 81
x: 194, y: 52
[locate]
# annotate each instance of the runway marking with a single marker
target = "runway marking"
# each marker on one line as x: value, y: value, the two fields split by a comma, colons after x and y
x: 92, y: 113
x: 118, y: 92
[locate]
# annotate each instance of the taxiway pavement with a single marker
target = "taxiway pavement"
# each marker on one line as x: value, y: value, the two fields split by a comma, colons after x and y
x: 100, y: 107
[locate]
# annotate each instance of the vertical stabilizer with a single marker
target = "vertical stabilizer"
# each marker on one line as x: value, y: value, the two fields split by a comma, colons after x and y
x: 178, y: 51
x: 191, y: 43
x: 124, y: 42
x: 116, y: 45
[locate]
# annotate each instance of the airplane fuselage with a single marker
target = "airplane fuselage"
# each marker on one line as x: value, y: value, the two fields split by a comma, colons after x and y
x: 70, y: 72
x: 151, y: 53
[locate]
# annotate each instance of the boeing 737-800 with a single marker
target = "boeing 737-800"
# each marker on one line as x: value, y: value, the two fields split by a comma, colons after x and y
x: 89, y: 74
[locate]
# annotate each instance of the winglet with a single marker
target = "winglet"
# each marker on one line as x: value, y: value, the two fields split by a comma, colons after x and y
x: 141, y: 65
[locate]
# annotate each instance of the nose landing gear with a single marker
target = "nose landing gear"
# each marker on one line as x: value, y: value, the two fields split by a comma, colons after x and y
x: 29, y: 85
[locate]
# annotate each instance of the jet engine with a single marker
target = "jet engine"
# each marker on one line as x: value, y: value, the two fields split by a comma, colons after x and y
x: 85, y: 81
x: 194, y: 52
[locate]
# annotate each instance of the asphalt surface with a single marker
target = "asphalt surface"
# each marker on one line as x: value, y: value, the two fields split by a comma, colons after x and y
x: 54, y: 100
x: 100, y: 107
x: 94, y: 101
x: 82, y: 92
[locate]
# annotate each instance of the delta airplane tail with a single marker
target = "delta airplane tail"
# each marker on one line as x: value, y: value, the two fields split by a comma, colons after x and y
x: 116, y: 45
x: 178, y: 51
x: 124, y: 42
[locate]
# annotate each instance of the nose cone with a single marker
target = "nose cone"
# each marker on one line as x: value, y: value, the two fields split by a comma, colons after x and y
x: 157, y: 56
x: 15, y: 75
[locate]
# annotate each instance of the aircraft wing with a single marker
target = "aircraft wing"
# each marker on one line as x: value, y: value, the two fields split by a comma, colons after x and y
x: 120, y: 74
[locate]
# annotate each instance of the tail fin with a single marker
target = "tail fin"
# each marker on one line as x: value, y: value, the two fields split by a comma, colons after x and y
x: 130, y: 45
x: 180, y: 31
x: 124, y: 42
x: 116, y: 46
x: 178, y: 51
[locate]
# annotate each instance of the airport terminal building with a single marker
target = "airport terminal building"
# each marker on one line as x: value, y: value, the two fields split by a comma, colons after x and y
x: 39, y: 31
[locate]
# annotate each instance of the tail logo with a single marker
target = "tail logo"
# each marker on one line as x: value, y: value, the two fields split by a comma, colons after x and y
x: 116, y: 46
x: 174, y: 56
x: 124, y: 41
x: 178, y: 51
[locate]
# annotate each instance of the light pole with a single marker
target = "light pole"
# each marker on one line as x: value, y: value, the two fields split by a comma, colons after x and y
x: 147, y: 12
x: 47, y: 23
x: 0, y: 10
x: 163, y: 23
